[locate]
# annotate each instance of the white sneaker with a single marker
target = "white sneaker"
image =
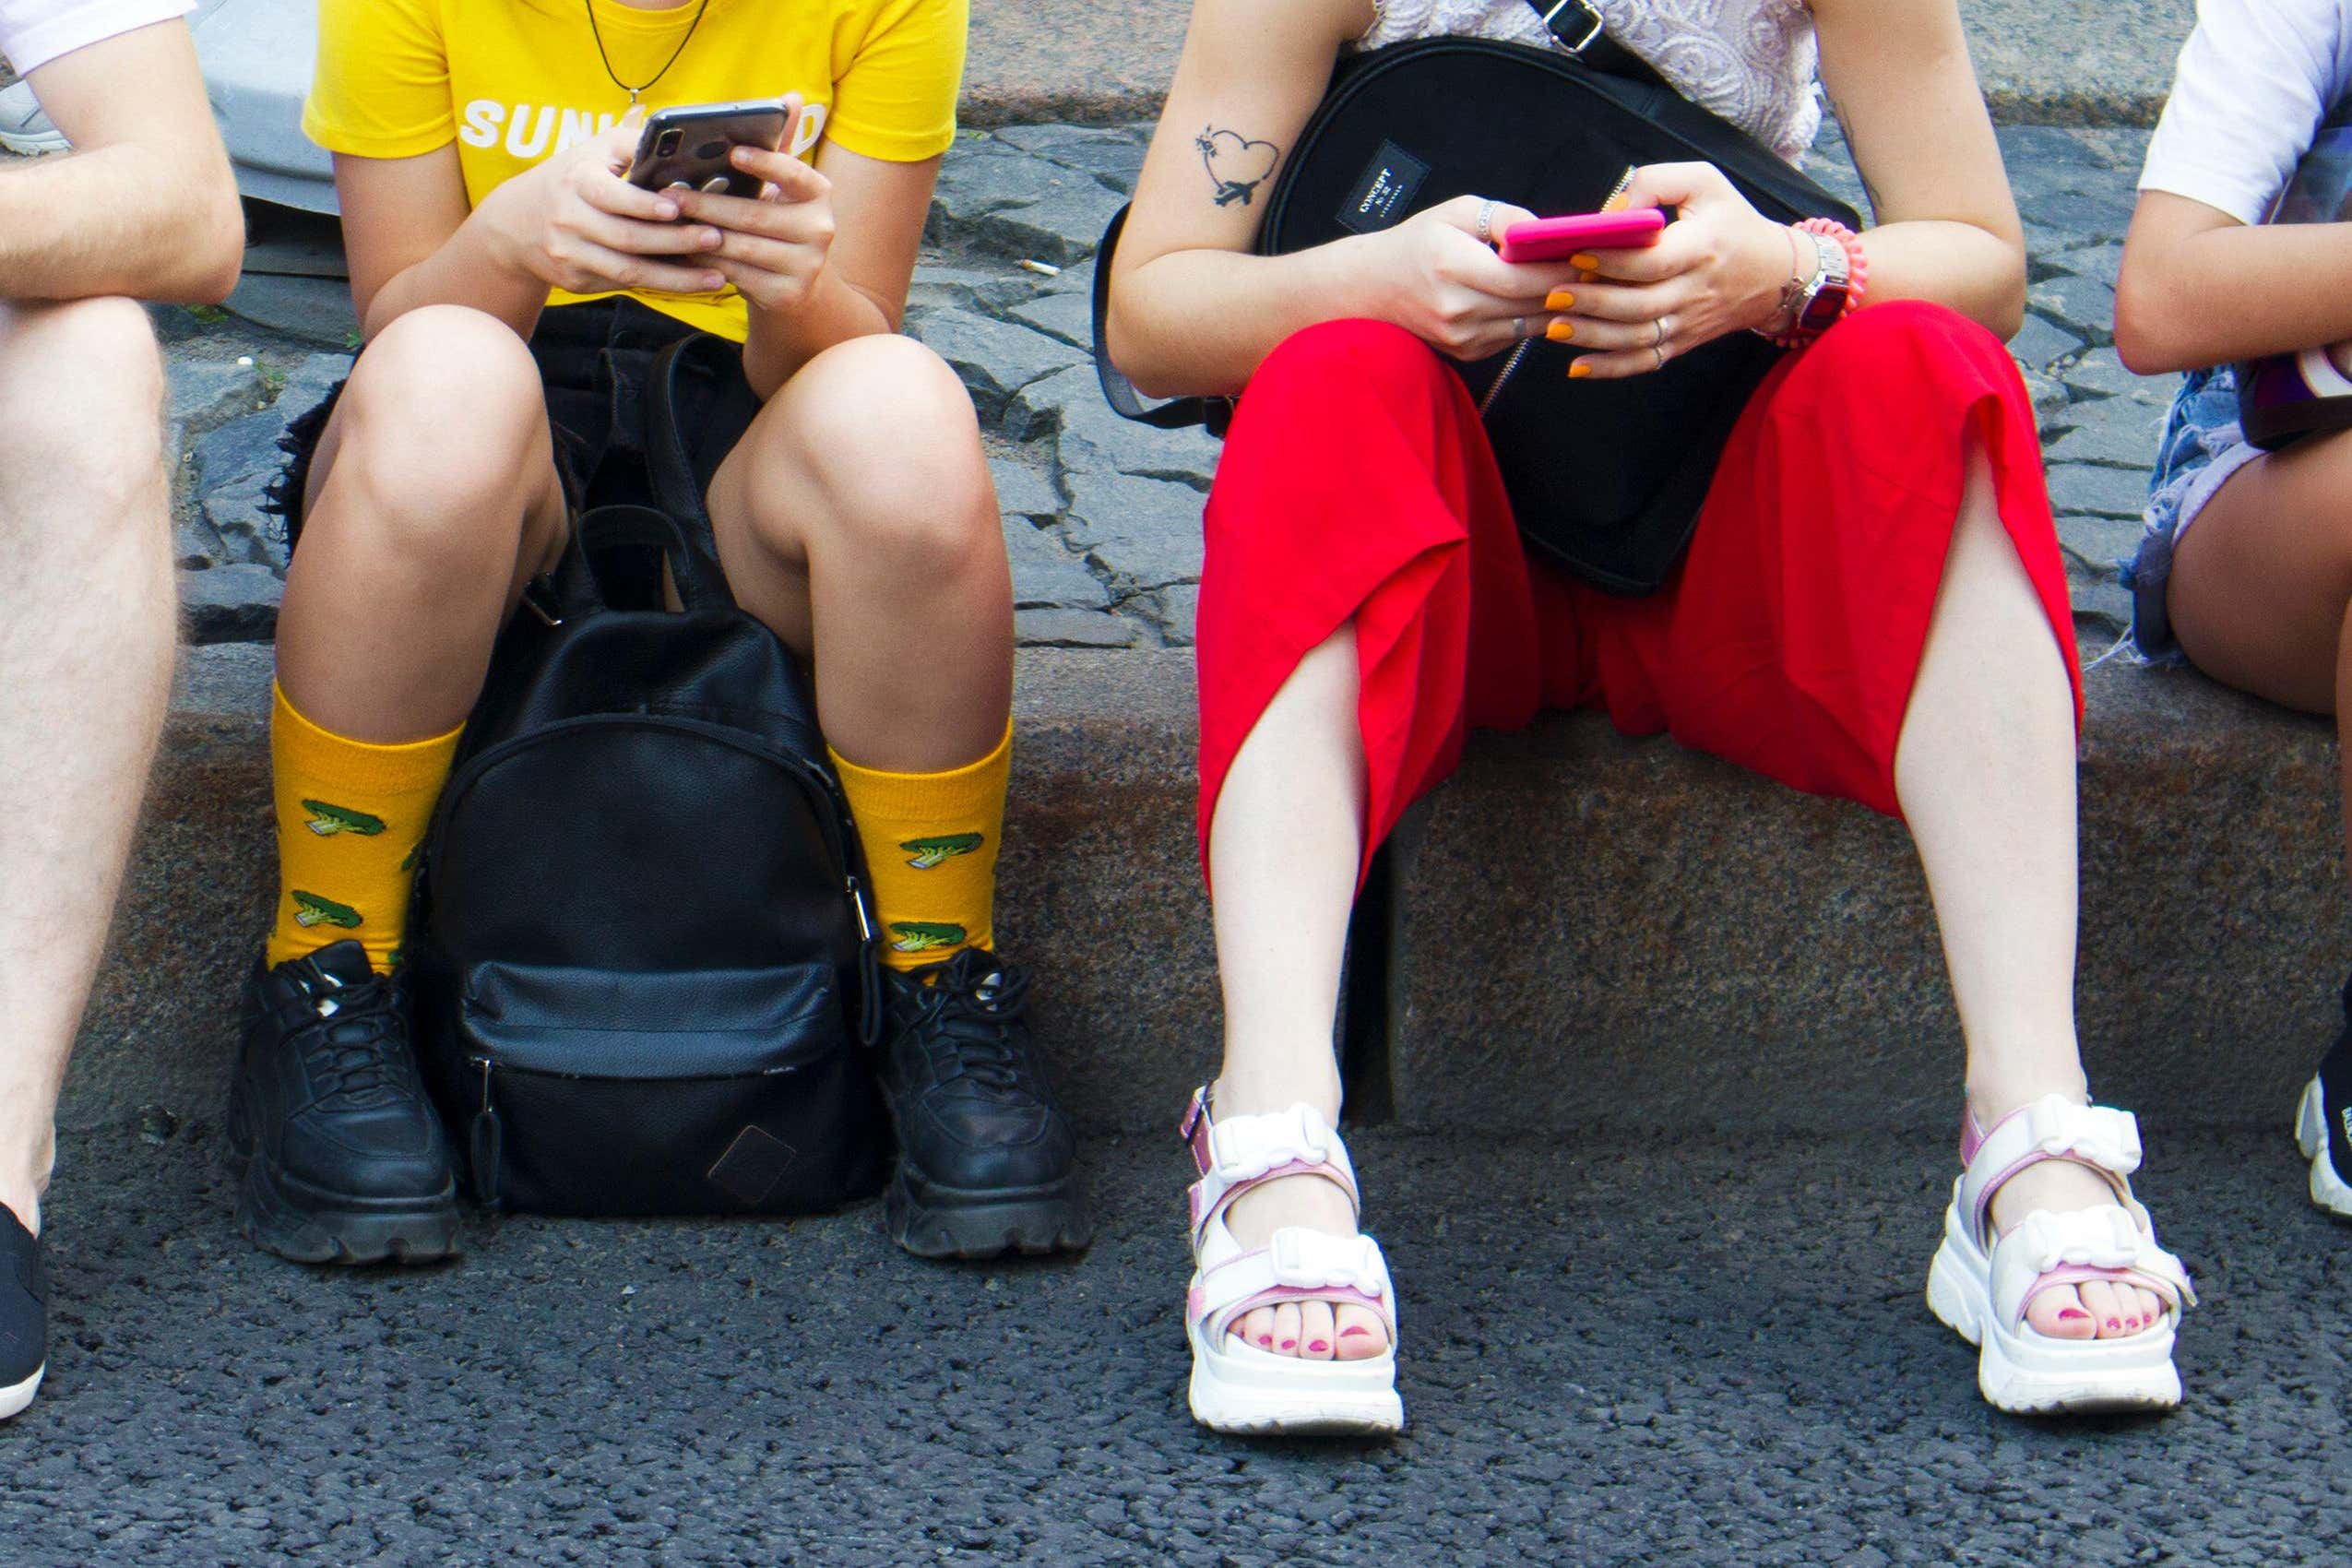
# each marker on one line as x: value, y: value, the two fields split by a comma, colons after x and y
x: 23, y: 127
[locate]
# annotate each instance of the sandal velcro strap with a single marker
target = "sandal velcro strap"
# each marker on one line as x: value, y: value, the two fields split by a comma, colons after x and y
x: 2094, y: 1238
x: 2052, y: 1127
x: 1298, y: 1265
x: 2047, y: 1250
x: 1236, y: 1152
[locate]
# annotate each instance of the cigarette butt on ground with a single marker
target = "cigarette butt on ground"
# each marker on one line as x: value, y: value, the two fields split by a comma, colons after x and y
x: 1042, y: 268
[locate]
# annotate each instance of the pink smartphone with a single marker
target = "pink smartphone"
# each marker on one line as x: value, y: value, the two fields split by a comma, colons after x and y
x: 1555, y: 239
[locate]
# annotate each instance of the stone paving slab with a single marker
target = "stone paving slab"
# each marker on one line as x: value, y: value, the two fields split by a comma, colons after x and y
x: 1683, y: 1352
x: 2092, y: 62
x: 1002, y: 293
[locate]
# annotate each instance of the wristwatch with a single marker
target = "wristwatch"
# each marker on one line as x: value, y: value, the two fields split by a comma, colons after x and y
x: 1824, y: 300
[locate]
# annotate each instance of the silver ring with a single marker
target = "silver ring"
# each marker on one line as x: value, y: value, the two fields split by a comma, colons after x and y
x: 1486, y: 222
x: 1518, y: 326
x: 1659, y: 350
x: 1658, y: 341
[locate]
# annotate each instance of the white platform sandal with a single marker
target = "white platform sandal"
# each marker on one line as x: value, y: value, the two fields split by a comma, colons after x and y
x: 1981, y: 1285
x: 1238, y: 1387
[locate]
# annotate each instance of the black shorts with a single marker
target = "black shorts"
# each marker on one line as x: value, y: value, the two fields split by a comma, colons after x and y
x: 595, y: 361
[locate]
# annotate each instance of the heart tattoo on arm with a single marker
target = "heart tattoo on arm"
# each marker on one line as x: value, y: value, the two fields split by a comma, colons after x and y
x: 1236, y: 165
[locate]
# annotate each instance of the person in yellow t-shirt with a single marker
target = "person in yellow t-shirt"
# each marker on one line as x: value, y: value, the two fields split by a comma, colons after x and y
x: 512, y: 286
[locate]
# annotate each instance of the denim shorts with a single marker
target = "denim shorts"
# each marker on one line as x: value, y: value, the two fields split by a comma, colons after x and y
x: 2202, y: 447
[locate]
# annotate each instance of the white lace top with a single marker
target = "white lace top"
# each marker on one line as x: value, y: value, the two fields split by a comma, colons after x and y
x: 1753, y: 62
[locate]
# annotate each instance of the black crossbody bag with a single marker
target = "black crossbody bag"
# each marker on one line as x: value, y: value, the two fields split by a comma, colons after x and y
x: 1605, y: 477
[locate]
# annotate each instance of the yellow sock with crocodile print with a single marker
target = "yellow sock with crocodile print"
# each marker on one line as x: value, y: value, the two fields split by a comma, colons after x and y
x: 931, y: 852
x: 349, y: 819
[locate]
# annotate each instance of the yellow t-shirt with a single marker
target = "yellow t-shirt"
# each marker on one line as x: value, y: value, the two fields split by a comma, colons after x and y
x: 511, y: 81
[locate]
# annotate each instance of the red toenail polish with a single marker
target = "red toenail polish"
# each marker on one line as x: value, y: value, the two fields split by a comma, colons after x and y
x: 2112, y: 1323
x: 1317, y: 1346
x: 2071, y: 1311
x: 1359, y: 1329
x: 1265, y: 1339
x: 1290, y: 1344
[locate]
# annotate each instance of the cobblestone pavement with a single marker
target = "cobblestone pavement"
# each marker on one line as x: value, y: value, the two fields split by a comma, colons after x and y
x: 1685, y: 1351
x: 1102, y: 517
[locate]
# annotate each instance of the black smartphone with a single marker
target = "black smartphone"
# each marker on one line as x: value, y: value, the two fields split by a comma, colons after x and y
x: 688, y: 145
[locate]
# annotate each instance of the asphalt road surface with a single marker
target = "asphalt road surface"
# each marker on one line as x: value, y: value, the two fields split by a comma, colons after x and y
x: 1703, y: 1352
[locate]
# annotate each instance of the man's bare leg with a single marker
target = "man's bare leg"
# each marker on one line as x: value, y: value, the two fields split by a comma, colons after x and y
x: 85, y: 640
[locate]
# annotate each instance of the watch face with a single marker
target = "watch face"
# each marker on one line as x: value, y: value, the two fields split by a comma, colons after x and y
x: 1820, y: 311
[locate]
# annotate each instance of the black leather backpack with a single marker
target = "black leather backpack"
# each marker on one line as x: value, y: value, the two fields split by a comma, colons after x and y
x: 643, y: 962
x: 1606, y: 478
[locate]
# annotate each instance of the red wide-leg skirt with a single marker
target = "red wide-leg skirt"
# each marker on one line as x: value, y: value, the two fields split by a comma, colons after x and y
x: 1358, y: 485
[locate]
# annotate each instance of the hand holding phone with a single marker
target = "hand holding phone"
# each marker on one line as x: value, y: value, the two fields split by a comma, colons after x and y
x: 775, y: 242
x: 571, y: 222
x: 692, y: 146
x: 1556, y: 239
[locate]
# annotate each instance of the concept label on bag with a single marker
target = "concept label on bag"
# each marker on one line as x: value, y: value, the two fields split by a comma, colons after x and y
x: 1384, y: 190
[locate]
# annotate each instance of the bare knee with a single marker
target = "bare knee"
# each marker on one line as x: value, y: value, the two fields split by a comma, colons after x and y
x: 442, y: 427
x: 81, y: 400
x: 885, y: 430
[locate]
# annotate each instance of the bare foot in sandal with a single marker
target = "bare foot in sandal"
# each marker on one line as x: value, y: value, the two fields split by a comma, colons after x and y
x: 2095, y: 1309
x: 1290, y: 1314
x: 2044, y: 1252
x: 1315, y: 1329
x: 1312, y: 1328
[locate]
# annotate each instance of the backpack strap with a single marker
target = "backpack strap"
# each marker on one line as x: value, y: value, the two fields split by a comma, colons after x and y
x: 701, y: 585
x: 689, y: 378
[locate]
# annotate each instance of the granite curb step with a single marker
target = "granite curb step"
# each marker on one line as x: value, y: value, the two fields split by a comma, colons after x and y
x: 1663, y: 941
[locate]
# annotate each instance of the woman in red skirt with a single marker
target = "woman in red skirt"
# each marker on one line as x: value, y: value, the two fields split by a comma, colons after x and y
x: 1872, y: 607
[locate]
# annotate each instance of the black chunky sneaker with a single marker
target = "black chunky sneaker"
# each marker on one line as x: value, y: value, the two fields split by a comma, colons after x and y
x: 2324, y: 1122
x: 345, y: 1160
x: 24, y: 1315
x: 987, y: 1160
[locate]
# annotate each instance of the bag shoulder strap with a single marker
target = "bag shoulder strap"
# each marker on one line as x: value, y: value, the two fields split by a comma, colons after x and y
x: 1117, y: 390
x: 1577, y: 26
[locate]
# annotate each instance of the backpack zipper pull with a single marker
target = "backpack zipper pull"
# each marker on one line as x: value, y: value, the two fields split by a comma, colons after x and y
x: 870, y: 1006
x: 486, y: 1142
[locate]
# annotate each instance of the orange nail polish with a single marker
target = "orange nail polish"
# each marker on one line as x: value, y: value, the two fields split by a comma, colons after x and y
x: 1588, y: 277
x: 1561, y: 331
x: 1583, y: 262
x: 1559, y: 299
x: 1578, y: 371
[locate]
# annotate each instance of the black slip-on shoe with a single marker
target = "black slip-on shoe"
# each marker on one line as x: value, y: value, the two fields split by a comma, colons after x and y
x: 345, y: 1160
x: 988, y: 1163
x: 24, y: 1316
x: 2324, y: 1122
